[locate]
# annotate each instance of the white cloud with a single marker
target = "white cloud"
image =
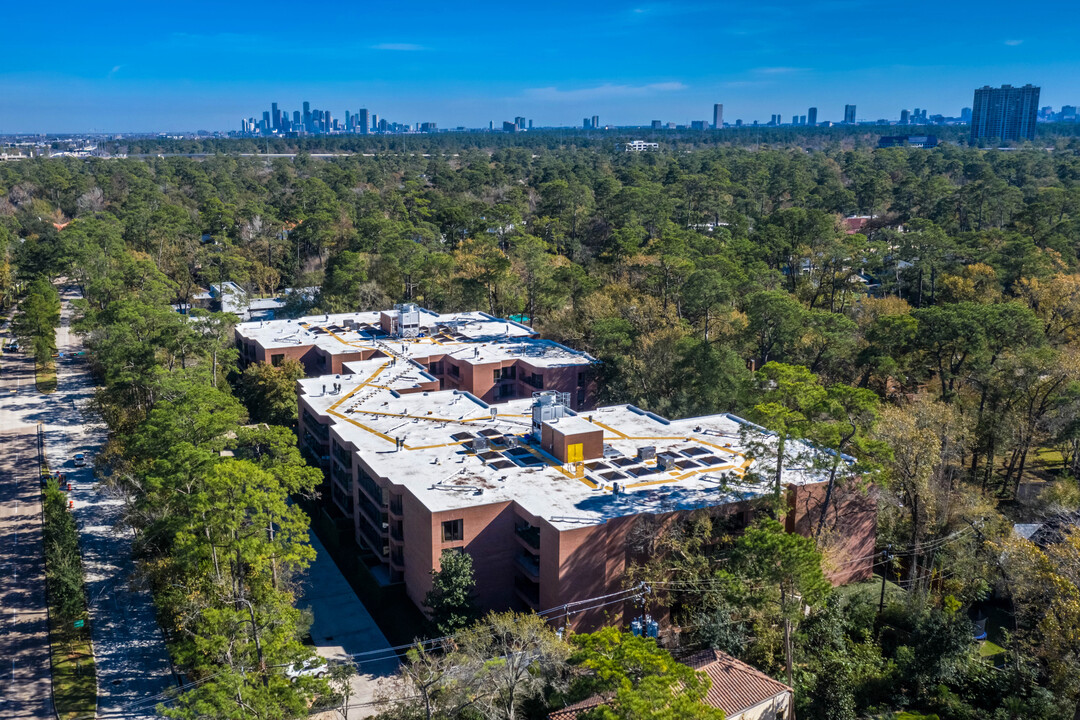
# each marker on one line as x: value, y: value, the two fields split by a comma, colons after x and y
x: 1013, y: 43
x: 607, y: 90
x: 777, y: 70
x: 402, y: 47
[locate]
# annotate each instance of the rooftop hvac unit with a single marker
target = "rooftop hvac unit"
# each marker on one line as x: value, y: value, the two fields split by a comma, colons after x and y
x: 647, y: 453
x: 512, y: 441
x: 666, y: 460
x: 407, y: 321
x: 548, y: 406
x: 480, y: 443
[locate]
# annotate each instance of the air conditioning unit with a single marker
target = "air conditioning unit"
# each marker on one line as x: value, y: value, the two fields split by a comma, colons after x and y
x: 647, y: 453
x: 666, y: 460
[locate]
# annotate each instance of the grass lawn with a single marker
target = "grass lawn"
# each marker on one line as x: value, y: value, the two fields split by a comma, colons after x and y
x: 46, y: 377
x: 869, y: 591
x: 1048, y: 459
x: 74, y: 677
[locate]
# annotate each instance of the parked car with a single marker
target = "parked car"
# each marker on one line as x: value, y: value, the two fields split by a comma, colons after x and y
x: 11, y: 347
x: 313, y: 667
x: 79, y: 460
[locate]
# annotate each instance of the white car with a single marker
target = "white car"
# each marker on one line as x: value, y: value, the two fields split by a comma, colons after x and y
x: 313, y: 667
x: 79, y: 460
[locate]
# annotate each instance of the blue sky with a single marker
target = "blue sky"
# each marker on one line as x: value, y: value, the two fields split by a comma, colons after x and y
x: 199, y: 65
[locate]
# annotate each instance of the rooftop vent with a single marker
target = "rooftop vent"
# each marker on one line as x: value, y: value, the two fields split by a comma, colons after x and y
x: 647, y: 453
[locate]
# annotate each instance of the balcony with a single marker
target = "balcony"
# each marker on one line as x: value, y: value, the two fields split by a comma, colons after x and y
x: 395, y: 533
x: 527, y: 591
x: 395, y: 506
x: 530, y: 534
x: 529, y: 564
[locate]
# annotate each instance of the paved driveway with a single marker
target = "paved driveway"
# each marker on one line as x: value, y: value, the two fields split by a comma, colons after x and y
x: 343, y: 628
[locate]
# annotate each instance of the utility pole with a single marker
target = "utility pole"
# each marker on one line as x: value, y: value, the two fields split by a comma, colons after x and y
x: 886, y: 556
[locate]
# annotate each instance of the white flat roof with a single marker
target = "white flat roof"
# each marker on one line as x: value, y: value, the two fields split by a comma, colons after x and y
x: 441, y: 465
x: 472, y: 337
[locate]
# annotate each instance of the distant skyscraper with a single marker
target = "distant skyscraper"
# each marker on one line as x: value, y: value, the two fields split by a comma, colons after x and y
x: 905, y: 117
x: 266, y: 122
x: 802, y: 119
x: 375, y: 123
x: 296, y: 117
x: 718, y: 116
x: 1006, y: 113
x: 965, y: 115
x: 530, y: 124
x: 363, y: 122
x: 657, y: 124
x: 811, y: 116
x: 276, y: 114
x: 307, y: 116
x: 794, y: 119
x: 699, y: 124
x: 595, y: 121
x: 849, y: 114
x: 586, y: 124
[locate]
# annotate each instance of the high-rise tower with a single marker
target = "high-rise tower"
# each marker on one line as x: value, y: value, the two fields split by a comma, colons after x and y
x: 1006, y: 113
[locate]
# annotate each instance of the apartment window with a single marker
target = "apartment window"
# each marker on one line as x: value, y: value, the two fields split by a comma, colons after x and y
x: 580, y: 379
x: 453, y: 530
x: 536, y: 380
x: 506, y: 390
x: 276, y: 360
x: 435, y: 368
x: 507, y: 373
x: 455, y: 371
x: 580, y: 397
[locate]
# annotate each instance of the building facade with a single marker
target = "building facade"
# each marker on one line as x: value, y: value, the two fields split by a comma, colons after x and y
x: 1005, y: 113
x: 849, y: 114
x: 552, y: 504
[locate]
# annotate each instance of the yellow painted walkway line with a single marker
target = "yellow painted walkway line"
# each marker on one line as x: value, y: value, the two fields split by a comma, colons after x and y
x: 371, y: 430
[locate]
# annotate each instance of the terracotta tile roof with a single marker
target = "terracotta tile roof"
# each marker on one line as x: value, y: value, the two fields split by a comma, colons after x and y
x: 570, y: 712
x: 736, y: 686
x: 853, y: 225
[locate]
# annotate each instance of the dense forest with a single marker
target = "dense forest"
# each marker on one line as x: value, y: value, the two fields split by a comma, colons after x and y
x: 935, y: 336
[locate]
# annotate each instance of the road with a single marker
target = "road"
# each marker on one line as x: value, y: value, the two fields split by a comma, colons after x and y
x: 132, y: 661
x: 25, y: 677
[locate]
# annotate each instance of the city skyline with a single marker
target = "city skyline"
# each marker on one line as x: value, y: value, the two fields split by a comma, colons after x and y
x: 627, y: 63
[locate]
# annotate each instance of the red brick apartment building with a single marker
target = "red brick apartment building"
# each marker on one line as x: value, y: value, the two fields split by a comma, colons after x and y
x: 494, y: 359
x: 548, y: 502
x: 466, y: 432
